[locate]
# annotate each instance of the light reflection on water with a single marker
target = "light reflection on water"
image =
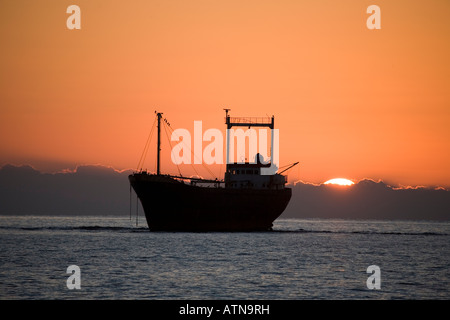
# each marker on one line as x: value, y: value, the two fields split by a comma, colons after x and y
x: 300, y: 259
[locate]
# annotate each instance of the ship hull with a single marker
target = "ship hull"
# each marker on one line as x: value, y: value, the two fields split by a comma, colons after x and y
x: 171, y: 205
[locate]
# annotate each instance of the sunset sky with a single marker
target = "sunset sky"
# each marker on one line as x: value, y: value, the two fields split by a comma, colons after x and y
x: 349, y: 102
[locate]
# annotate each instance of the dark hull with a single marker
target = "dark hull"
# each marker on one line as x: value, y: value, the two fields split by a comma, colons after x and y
x: 170, y: 205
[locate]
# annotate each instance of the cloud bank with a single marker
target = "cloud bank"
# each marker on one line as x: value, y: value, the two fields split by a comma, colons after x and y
x: 368, y: 199
x: 87, y: 190
x: 99, y: 190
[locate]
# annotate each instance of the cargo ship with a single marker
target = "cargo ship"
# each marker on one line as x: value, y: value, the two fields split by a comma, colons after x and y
x: 247, y: 199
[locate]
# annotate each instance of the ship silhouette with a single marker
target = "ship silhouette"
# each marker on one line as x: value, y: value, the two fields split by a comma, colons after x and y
x: 247, y: 199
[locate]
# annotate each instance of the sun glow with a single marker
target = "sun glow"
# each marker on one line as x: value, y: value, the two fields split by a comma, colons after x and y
x: 340, y: 181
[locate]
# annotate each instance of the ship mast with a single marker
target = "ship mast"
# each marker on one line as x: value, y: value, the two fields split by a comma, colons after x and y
x: 158, y: 150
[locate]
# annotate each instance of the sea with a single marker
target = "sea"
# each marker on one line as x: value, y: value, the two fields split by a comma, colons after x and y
x: 118, y: 258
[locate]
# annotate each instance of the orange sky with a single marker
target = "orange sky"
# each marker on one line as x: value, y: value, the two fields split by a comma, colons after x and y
x: 349, y: 102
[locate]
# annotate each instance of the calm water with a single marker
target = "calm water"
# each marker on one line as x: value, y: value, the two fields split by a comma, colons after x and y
x: 300, y: 259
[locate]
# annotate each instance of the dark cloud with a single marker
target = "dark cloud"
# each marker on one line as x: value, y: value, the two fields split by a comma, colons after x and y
x: 103, y: 190
x: 86, y: 190
x: 368, y: 199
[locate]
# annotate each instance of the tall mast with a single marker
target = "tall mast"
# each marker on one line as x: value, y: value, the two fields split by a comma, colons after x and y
x: 158, y: 150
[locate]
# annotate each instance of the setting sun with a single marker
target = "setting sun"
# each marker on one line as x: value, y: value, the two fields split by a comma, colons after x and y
x: 340, y: 181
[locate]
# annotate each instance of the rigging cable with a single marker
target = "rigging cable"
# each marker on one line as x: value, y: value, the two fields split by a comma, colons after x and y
x: 173, y: 132
x: 170, y: 143
x: 147, y: 144
x: 195, y: 156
